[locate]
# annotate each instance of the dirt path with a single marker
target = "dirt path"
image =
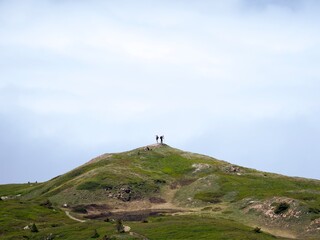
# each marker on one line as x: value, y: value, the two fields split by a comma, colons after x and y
x: 279, y: 233
x: 73, y: 218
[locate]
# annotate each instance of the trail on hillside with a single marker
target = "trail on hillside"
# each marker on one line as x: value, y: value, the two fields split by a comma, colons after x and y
x: 73, y: 218
x: 279, y: 233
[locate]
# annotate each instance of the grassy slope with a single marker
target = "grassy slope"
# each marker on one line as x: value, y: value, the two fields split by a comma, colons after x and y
x: 147, y: 173
x: 16, y: 215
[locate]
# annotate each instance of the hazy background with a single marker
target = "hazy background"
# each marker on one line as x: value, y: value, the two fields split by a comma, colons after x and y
x: 233, y: 79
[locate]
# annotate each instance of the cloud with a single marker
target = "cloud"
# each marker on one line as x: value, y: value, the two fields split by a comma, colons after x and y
x: 113, y: 74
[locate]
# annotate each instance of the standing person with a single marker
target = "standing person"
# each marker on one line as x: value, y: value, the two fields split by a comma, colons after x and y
x: 157, y: 138
x: 161, y: 139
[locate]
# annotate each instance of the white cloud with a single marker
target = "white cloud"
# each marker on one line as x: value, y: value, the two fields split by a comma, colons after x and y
x: 100, y: 71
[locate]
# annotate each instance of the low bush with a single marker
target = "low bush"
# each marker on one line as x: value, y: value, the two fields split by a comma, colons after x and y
x: 281, y: 208
x: 80, y: 209
x: 34, y: 228
x: 314, y: 210
x: 119, y: 226
x: 257, y: 230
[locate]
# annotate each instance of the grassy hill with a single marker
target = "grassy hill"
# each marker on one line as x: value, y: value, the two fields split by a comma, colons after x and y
x: 163, y: 193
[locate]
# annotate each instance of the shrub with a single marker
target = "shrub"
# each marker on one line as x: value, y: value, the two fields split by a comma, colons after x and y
x: 314, y: 210
x: 159, y: 181
x: 47, y: 204
x: 257, y: 230
x: 119, y: 226
x: 80, y: 209
x: 281, y: 208
x: 34, y: 228
x: 105, y: 237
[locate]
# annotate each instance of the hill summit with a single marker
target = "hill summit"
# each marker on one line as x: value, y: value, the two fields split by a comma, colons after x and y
x: 158, y: 180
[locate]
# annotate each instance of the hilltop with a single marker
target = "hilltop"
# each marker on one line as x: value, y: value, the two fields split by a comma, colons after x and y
x: 164, y: 193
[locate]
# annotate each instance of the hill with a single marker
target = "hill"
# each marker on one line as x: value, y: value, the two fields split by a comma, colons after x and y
x: 163, y: 193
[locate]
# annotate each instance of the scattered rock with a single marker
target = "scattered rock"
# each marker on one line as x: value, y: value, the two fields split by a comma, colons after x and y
x: 314, y: 226
x: 49, y: 237
x: 232, y: 169
x: 289, y: 208
x: 200, y: 166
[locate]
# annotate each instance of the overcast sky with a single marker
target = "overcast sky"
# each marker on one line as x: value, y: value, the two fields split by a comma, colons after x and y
x: 238, y: 80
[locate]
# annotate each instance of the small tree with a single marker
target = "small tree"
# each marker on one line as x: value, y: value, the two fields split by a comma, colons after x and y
x: 34, y: 228
x: 119, y: 226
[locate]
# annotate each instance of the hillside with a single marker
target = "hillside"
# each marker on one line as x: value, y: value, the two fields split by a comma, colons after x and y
x: 163, y: 193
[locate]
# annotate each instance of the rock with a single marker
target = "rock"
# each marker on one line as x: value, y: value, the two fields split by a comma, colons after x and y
x: 232, y: 169
x: 200, y: 166
x: 26, y: 228
x: 49, y: 237
x: 126, y: 228
x: 65, y: 205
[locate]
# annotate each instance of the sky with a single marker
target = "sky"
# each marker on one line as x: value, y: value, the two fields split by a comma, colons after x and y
x: 234, y: 79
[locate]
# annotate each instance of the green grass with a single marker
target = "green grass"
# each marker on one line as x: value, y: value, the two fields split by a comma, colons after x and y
x: 211, y: 197
x: 252, y: 185
x: 90, y: 185
x: 15, y: 215
x: 195, y: 227
x: 15, y: 189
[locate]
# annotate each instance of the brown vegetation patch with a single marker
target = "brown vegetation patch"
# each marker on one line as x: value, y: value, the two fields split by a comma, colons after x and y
x: 85, y: 209
x: 157, y: 200
x: 132, y: 215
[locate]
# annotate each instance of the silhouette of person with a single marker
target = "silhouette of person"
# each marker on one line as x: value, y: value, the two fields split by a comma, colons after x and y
x: 157, y: 138
x: 161, y: 139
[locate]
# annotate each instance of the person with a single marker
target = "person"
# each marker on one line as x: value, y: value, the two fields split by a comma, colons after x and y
x: 157, y: 138
x: 161, y: 139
